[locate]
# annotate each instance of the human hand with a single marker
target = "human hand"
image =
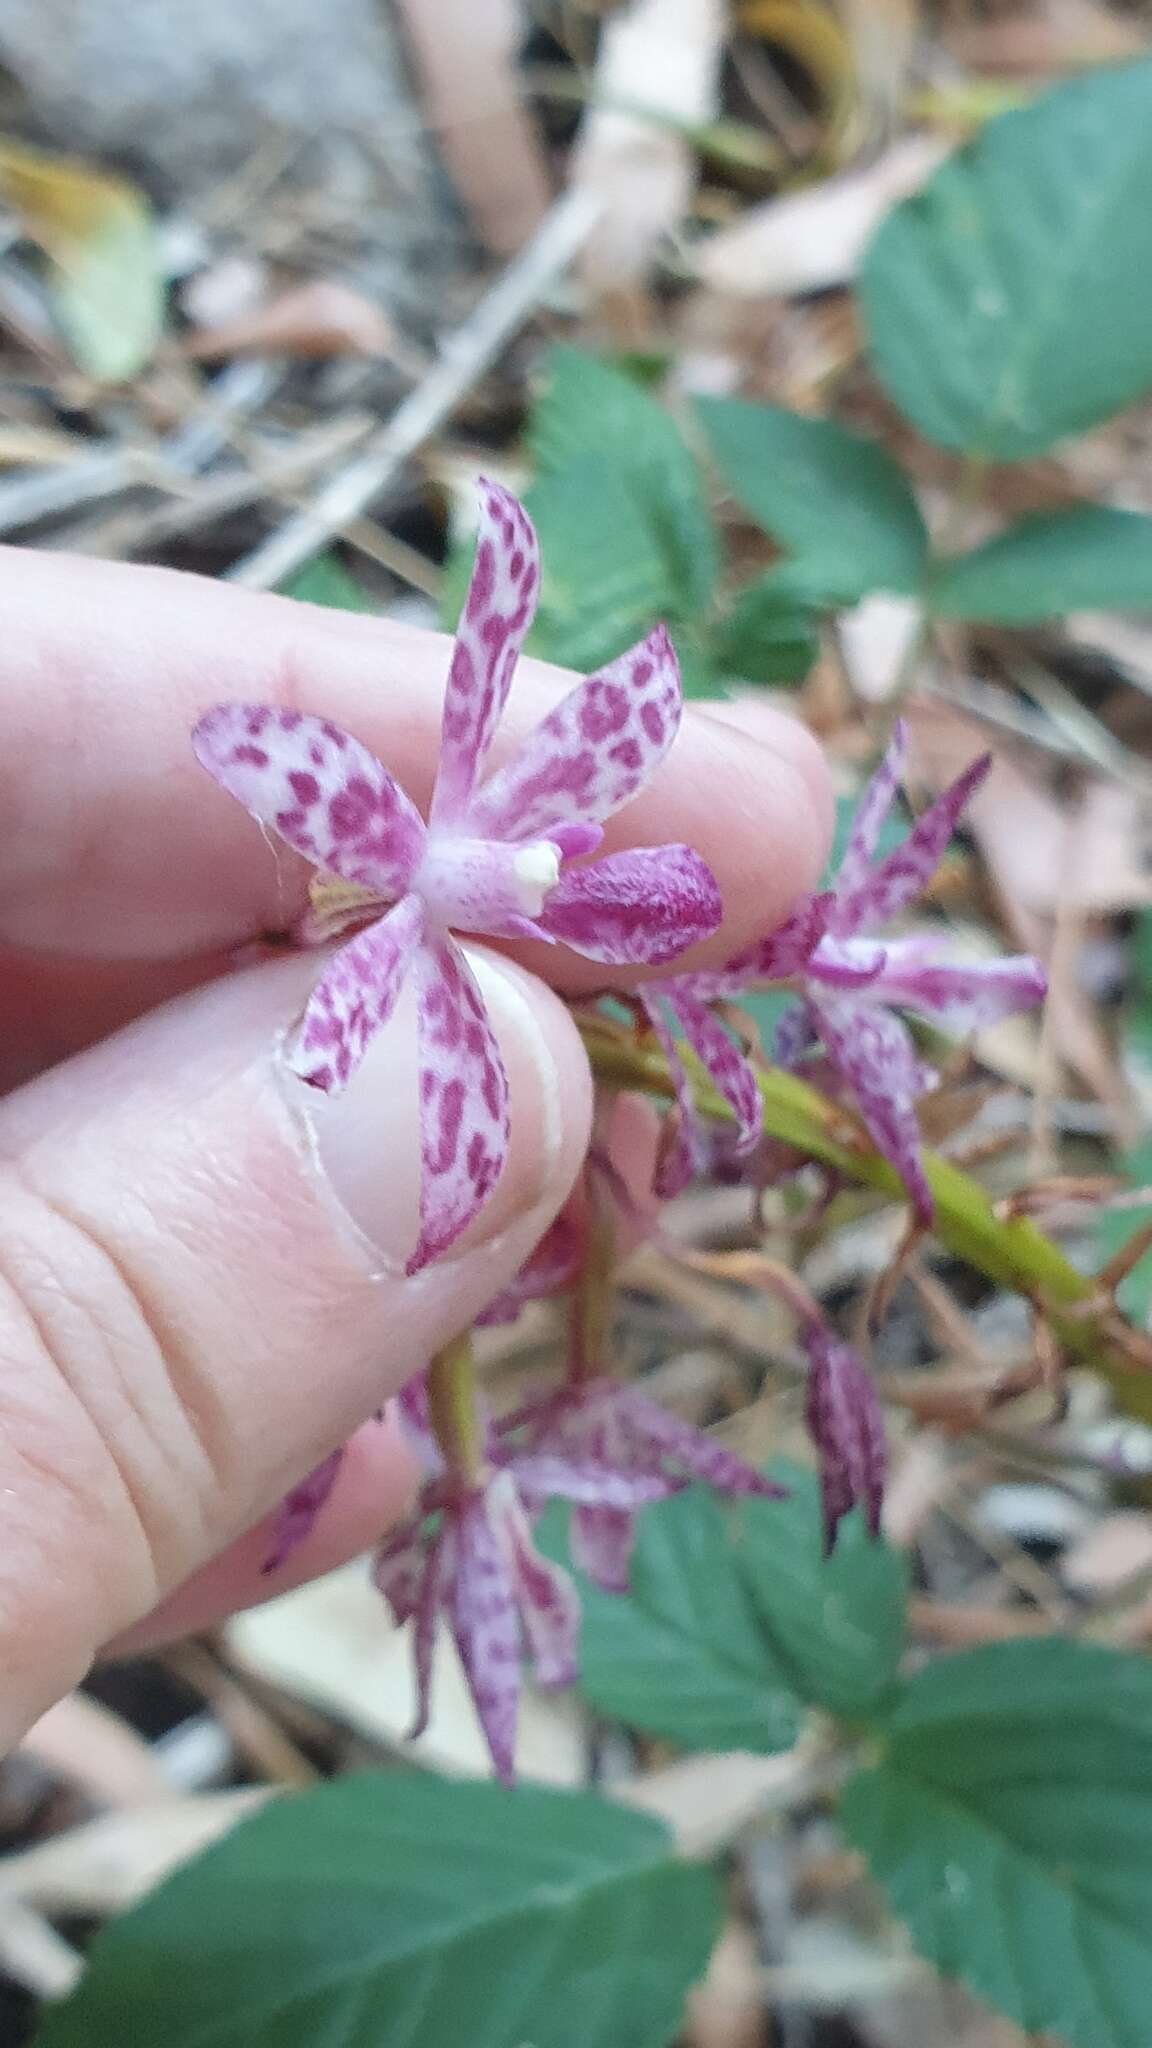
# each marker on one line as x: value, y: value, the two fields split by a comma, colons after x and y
x: 201, y: 1261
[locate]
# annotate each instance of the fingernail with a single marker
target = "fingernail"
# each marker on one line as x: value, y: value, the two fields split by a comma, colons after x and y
x: 368, y: 1137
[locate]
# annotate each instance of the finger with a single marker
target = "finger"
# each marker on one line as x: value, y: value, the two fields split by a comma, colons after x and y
x: 379, y: 1474
x: 202, y: 1287
x: 374, y: 1487
x: 113, y: 842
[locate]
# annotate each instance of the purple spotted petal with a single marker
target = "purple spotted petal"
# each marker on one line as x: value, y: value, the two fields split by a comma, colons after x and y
x: 698, y: 1456
x: 548, y: 1475
x: 872, y: 810
x: 683, y: 1147
x: 784, y: 952
x: 299, y: 1509
x: 730, y: 1071
x: 591, y: 755
x: 463, y: 1101
x: 497, y: 614
x: 844, y: 1417
x: 848, y: 963
x: 899, y: 879
x: 643, y: 907
x: 873, y: 1052
x: 601, y: 1541
x: 355, y: 995
x: 318, y: 788
x: 481, y: 1608
x: 795, y: 1033
x: 959, y: 995
x: 399, y: 1569
x: 546, y: 1599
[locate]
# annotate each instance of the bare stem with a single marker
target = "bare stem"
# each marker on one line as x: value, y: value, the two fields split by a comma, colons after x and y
x: 1009, y: 1250
x: 453, y: 1409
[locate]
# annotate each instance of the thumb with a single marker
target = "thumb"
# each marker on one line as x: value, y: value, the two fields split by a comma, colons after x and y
x: 202, y: 1286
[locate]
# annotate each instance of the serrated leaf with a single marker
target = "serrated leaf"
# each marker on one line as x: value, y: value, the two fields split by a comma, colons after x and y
x: 326, y: 581
x: 589, y: 409
x: 682, y: 1654
x: 413, y: 1913
x: 1010, y: 1823
x: 1009, y: 302
x: 605, y: 579
x: 735, y: 1617
x: 99, y: 235
x: 768, y: 636
x: 837, y: 1622
x: 1090, y: 557
x: 836, y: 501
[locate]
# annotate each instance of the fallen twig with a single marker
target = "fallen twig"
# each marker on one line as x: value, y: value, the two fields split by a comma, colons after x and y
x: 464, y: 358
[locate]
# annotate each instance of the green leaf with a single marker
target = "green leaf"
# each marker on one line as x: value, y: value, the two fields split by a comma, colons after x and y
x: 98, y: 232
x: 734, y: 1617
x: 326, y: 581
x: 1010, y: 1823
x: 837, y: 1622
x: 595, y: 418
x: 408, y: 1912
x: 1010, y: 301
x: 769, y: 635
x: 1089, y: 557
x: 682, y: 1654
x: 837, y: 501
x: 605, y: 578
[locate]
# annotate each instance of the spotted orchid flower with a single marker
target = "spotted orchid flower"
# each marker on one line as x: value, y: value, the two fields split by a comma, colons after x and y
x: 492, y: 859
x: 606, y: 1423
x: 467, y: 1555
x: 680, y: 1006
x: 853, y: 983
x: 847, y: 1427
x: 849, y: 985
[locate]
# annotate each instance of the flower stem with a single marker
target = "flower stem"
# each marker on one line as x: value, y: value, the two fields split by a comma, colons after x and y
x: 1010, y: 1251
x: 453, y: 1409
x: 593, y: 1299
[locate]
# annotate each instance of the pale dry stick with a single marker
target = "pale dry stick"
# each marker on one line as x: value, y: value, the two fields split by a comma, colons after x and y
x: 464, y: 358
x: 220, y: 496
x: 255, y: 1732
x: 170, y: 466
x: 1066, y: 938
x: 33, y: 1954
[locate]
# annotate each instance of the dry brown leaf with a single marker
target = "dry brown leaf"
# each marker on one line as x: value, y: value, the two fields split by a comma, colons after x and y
x: 318, y: 319
x: 876, y: 638
x: 1118, y: 1548
x: 106, y: 1865
x: 94, y: 1748
x: 1023, y: 829
x: 662, y: 58
x: 464, y: 56
x: 708, y: 1801
x: 810, y: 240
x: 727, y: 2010
x: 1033, y: 42
x: 918, y: 1482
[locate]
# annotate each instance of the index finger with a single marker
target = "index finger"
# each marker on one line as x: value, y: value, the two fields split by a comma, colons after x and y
x: 115, y: 845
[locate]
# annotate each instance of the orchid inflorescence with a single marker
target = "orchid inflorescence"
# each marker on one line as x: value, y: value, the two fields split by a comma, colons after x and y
x: 511, y: 857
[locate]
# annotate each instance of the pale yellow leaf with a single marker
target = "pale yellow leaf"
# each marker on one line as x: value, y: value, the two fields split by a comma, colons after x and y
x: 97, y: 231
